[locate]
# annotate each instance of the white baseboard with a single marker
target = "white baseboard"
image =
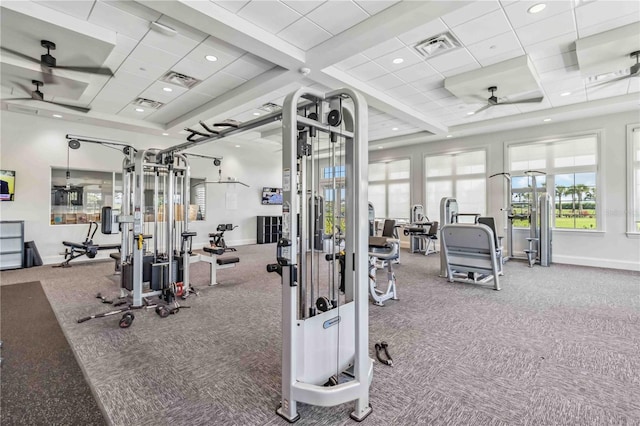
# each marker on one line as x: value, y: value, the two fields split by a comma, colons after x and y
x: 597, y: 262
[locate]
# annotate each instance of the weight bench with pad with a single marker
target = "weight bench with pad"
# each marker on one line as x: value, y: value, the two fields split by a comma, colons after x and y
x: 75, y: 250
x: 217, y: 262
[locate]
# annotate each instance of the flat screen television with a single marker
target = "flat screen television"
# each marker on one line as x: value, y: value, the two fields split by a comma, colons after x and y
x: 271, y: 196
x: 7, y: 185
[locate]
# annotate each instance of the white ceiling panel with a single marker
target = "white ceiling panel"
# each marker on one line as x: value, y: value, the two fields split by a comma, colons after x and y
x: 179, y: 107
x: 218, y: 84
x: 368, y: 71
x: 177, y: 44
x: 125, y: 44
x: 373, y: 7
x: 423, y: 32
x: 416, y: 72
x: 546, y: 29
x: 303, y: 7
x: 337, y: 16
x: 383, y: 48
x: 135, y: 9
x: 247, y: 67
x: 452, y: 60
x: 560, y: 74
x: 494, y: 46
x: 150, y: 59
x: 593, y: 13
x: 156, y: 92
x: 387, y: 81
x: 304, y: 34
x: 132, y: 111
x: 351, y: 62
x: 470, y: 12
x: 450, y: 101
x: 415, y: 99
x: 519, y: 17
x: 608, y: 25
x: 464, y: 68
x: 183, y: 29
x: 607, y: 90
x: 232, y: 5
x: 553, y: 46
x: 576, y: 97
x: 439, y: 93
x: 270, y: 15
x: 500, y: 58
x: 79, y: 9
x: 556, y: 62
x: 409, y: 57
x: 106, y: 106
x: 428, y: 84
x: 484, y: 27
x: 116, y: 19
x: 401, y: 92
x: 195, y: 64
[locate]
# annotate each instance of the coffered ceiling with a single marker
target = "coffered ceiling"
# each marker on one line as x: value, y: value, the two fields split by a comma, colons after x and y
x: 265, y: 49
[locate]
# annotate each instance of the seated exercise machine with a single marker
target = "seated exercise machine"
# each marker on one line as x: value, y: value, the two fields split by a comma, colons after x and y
x: 422, y: 237
x: 86, y: 248
x: 387, y: 250
x: 217, y: 262
x: 217, y: 238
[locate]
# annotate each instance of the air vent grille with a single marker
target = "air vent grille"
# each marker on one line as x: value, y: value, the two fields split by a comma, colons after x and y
x: 437, y: 45
x: 147, y: 103
x: 180, y: 79
x: 270, y: 107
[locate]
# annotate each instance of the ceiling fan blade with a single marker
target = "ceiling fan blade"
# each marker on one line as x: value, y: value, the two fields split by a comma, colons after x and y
x: 523, y: 101
x: 16, y: 99
x: 21, y: 55
x: 73, y: 107
x: 90, y: 70
x: 487, y: 106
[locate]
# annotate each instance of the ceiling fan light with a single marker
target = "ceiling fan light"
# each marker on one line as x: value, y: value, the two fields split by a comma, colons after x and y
x: 565, y: 93
x: 536, y: 8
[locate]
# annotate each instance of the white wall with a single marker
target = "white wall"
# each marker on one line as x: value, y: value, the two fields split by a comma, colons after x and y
x: 610, y: 248
x: 31, y: 145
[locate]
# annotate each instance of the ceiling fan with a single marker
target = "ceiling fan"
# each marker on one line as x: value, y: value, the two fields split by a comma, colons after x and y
x: 37, y: 95
x: 493, y: 100
x: 634, y: 71
x: 49, y: 61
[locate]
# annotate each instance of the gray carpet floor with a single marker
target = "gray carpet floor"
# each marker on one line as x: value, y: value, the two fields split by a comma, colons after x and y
x: 557, y: 345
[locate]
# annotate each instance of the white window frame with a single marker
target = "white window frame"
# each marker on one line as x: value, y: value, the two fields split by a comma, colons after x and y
x: 387, y: 181
x: 455, y: 177
x: 551, y: 172
x: 632, y: 167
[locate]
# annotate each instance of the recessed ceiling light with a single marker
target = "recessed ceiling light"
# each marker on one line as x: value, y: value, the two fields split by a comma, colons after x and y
x: 394, y: 129
x: 547, y: 119
x: 537, y: 8
x: 167, y: 89
x: 237, y: 146
x: 379, y: 147
x: 398, y: 60
x: 211, y: 58
x: 256, y: 113
x: 57, y: 115
x: 493, y: 46
x: 471, y: 113
x: 565, y: 93
x: 165, y: 134
x: 449, y: 136
x: 139, y: 110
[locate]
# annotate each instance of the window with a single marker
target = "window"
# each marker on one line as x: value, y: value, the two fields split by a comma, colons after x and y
x: 571, y: 168
x: 633, y: 140
x: 390, y: 188
x: 461, y: 176
x: 328, y: 172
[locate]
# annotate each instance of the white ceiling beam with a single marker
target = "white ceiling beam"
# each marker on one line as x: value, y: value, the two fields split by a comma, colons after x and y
x: 215, y: 20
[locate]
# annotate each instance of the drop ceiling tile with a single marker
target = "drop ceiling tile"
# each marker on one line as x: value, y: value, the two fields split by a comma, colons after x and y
x: 118, y: 20
x: 576, y: 97
x: 545, y: 104
x: 125, y: 44
x: 383, y: 48
x: 416, y: 72
x: 409, y: 56
x: 248, y: 67
x: 79, y: 9
x: 218, y: 84
x: 494, y: 46
x: 460, y: 70
x: 152, y: 58
x: 634, y: 85
x: 608, y: 90
x: 135, y: 9
x: 213, y: 46
x: 130, y: 111
x: 428, y: 84
x: 373, y: 7
x: 351, y: 62
x: 554, y: 26
x: 385, y: 82
x: 595, y: 12
x: 423, y: 32
x: 183, y: 29
x: 367, y: 71
x: 337, y: 16
x: 553, y: 46
x: 436, y: 94
x: 304, y: 34
x: 133, y: 83
x: 195, y: 64
x: 106, y: 106
x: 560, y: 74
x: 470, y: 12
x: 271, y: 15
x: 177, y: 44
x: 303, y: 7
x: 233, y: 5
x: 178, y: 107
x: 114, y: 60
x: 155, y: 92
x: 415, y: 99
x: 449, y: 101
x: 481, y: 28
x: 519, y: 17
x: 500, y: 58
x: 555, y: 62
x: 402, y: 91
x: 451, y: 60
x: 573, y: 85
x: 608, y: 25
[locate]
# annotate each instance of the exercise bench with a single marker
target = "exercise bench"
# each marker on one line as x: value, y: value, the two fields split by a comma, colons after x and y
x: 217, y: 262
x: 87, y: 248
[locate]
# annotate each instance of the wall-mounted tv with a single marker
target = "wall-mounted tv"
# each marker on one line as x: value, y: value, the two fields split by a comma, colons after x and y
x: 7, y: 185
x: 271, y: 196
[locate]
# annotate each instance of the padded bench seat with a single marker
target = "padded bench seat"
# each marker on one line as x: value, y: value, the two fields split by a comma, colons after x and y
x: 213, y: 250
x: 227, y: 260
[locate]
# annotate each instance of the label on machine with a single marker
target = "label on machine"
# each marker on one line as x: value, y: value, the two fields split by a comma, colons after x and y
x: 286, y: 180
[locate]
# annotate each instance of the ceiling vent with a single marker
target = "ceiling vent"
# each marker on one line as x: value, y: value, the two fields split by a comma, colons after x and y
x: 147, y: 103
x: 270, y: 107
x: 180, y: 79
x: 437, y: 45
